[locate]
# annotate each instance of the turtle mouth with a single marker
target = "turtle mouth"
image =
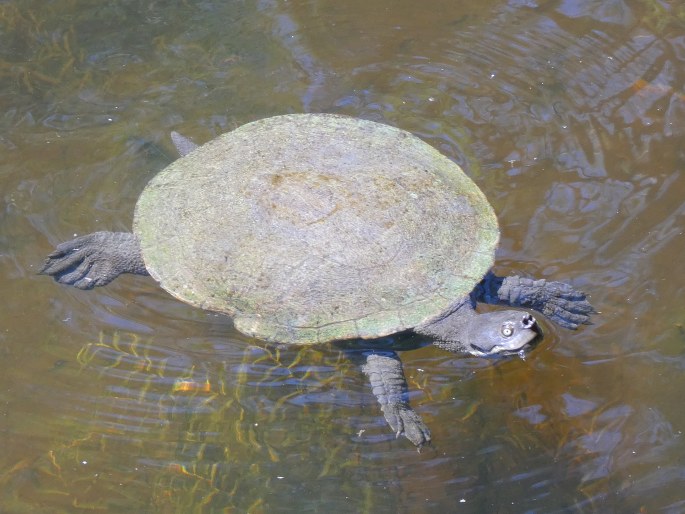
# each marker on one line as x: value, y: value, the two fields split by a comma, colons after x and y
x: 500, y: 351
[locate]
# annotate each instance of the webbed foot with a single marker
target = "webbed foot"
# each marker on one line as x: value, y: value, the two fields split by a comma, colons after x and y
x: 94, y: 259
x: 560, y: 302
x: 403, y: 420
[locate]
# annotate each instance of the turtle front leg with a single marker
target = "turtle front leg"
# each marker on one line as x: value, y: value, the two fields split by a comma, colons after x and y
x: 560, y: 302
x: 95, y: 259
x: 390, y: 388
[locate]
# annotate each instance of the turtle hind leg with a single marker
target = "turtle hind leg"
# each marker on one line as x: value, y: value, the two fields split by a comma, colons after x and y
x: 390, y: 388
x: 94, y: 259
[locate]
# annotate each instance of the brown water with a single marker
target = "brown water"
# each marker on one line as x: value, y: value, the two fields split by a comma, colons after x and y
x: 124, y: 400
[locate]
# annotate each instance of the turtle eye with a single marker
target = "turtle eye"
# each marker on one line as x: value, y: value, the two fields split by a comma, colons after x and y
x: 507, y: 330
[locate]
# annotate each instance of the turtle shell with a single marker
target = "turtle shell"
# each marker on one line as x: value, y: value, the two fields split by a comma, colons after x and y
x: 315, y: 227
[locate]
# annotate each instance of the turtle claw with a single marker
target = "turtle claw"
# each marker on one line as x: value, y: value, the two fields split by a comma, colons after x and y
x: 569, y: 314
x: 565, y: 306
x: 73, y: 262
x: 77, y: 276
x: 94, y: 259
x: 403, y: 420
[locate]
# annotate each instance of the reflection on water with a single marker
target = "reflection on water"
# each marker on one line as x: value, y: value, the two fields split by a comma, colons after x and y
x: 568, y: 114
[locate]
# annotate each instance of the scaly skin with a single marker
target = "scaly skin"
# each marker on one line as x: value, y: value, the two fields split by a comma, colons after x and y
x: 565, y: 306
x: 390, y: 388
x: 95, y: 259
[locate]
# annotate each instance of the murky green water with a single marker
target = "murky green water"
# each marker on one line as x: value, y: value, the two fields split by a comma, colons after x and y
x: 124, y: 400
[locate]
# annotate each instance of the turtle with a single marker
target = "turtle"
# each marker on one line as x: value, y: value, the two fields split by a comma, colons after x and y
x: 313, y: 228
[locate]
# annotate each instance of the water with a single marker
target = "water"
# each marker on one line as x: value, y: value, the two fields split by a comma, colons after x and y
x: 569, y: 115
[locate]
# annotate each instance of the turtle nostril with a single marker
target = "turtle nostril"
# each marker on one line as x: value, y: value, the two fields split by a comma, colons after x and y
x: 528, y: 321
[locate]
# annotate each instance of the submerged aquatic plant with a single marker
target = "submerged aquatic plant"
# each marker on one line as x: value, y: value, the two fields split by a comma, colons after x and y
x: 659, y: 15
x: 161, y: 429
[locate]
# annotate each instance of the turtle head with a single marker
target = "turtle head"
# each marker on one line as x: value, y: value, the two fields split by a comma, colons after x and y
x: 500, y: 333
x: 491, y: 334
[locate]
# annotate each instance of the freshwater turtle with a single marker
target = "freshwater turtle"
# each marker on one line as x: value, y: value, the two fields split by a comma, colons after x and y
x: 310, y: 228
